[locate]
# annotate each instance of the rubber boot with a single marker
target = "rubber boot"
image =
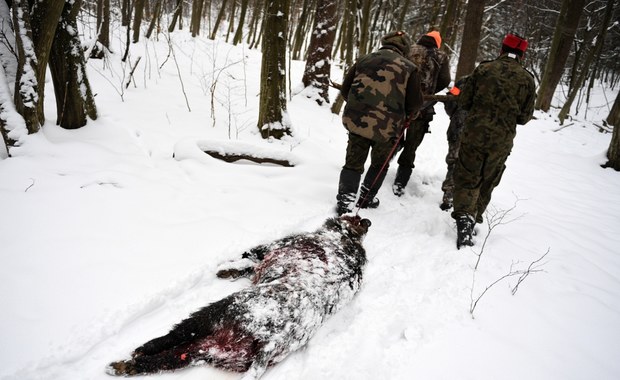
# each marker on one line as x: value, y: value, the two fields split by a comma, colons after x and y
x: 464, y: 230
x: 403, y: 174
x: 347, y: 190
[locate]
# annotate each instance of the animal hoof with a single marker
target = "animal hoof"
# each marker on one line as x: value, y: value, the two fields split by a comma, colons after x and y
x: 122, y: 368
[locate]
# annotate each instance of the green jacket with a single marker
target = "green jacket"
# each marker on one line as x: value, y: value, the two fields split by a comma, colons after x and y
x: 381, y: 89
x: 499, y: 95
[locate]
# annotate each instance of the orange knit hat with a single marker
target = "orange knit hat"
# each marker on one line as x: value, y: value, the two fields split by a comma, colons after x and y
x: 435, y: 34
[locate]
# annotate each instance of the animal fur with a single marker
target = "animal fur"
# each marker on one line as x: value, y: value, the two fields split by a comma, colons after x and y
x: 297, y: 282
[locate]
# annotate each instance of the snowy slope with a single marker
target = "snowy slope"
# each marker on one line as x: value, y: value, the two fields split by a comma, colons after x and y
x: 111, y: 234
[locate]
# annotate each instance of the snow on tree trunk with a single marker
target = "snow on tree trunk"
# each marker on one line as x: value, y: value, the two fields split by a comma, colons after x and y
x: 272, y: 117
x: 26, y: 81
x: 318, y: 64
x: 103, y: 29
x: 74, y: 98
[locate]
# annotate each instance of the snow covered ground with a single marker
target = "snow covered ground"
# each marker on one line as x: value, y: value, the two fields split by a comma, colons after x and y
x: 111, y: 234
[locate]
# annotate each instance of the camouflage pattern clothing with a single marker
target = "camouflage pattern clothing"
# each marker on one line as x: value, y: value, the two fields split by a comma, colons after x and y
x: 499, y: 95
x: 434, y: 68
x: 381, y: 89
x: 457, y: 121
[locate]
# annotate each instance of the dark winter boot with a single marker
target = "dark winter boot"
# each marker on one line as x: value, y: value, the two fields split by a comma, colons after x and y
x: 372, y: 183
x: 367, y: 200
x: 344, y: 203
x: 446, y: 202
x: 403, y: 174
x: 347, y: 189
x: 464, y: 230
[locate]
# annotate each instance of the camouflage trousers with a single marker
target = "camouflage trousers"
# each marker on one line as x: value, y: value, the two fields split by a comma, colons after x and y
x: 448, y: 183
x: 415, y: 134
x: 478, y: 170
x: 357, y: 154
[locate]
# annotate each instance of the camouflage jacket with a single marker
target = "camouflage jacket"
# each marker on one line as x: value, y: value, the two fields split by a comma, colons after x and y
x: 381, y: 89
x: 434, y: 67
x: 499, y: 95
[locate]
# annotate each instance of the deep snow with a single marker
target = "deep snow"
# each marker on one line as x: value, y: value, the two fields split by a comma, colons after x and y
x: 112, y: 233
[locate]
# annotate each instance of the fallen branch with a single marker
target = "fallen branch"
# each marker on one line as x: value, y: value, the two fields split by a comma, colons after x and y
x: 259, y: 160
x: 132, y: 71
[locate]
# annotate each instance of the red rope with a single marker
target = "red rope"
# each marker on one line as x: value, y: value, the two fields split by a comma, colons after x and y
x: 389, y: 157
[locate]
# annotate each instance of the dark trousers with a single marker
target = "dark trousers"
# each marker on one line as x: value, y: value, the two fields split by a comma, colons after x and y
x: 357, y: 154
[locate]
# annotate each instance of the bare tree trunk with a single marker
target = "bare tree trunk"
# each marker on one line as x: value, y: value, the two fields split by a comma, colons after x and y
x: 447, y: 26
x: 471, y: 38
x: 600, y: 39
x: 74, y: 98
x: 137, y: 19
x: 347, y: 47
x: 231, y: 23
x: 125, y: 12
x: 613, y: 153
x: 254, y: 23
x: 177, y: 17
x: 364, y: 27
x: 318, y: 64
x: 194, y: 26
x: 154, y: 19
x: 271, y: 117
x: 27, y: 94
x: 300, y: 30
x: 103, y: 30
x: 44, y: 20
x: 403, y: 12
x: 239, y: 33
x: 565, y: 29
x: 220, y: 16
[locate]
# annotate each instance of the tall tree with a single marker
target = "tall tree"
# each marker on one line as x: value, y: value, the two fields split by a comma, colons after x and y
x: 272, y: 118
x: 593, y: 52
x: 218, y: 20
x: 137, y: 19
x: 565, y: 29
x: 613, y: 153
x: 447, y: 27
x: 177, y: 17
x: 103, y: 29
x: 44, y: 16
x: 318, y: 64
x: 471, y: 38
x: 348, y: 25
x: 239, y: 33
x: 27, y: 99
x: 194, y: 26
x: 300, y: 30
x: 74, y: 98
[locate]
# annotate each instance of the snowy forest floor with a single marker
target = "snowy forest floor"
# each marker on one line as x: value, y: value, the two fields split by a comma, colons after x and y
x: 111, y: 234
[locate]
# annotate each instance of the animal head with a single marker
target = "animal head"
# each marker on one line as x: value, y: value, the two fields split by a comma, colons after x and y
x: 354, y: 225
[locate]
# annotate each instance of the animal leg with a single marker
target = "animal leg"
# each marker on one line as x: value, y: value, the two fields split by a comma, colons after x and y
x: 258, y: 366
x: 199, y: 325
x: 167, y: 360
x: 235, y: 269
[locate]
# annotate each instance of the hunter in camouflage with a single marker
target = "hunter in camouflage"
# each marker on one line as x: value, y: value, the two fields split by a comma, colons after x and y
x: 499, y: 95
x: 434, y: 68
x: 381, y: 89
x: 457, y: 121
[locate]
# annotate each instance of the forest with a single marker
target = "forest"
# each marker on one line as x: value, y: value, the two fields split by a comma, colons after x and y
x: 573, y: 45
